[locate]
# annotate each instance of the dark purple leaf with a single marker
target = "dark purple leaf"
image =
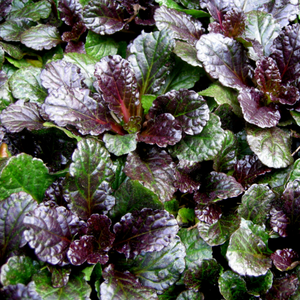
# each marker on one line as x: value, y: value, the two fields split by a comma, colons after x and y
x: 217, y: 8
x: 124, y: 285
x: 285, y: 259
x: 286, y: 52
x: 188, y: 108
x: 209, y: 214
x: 76, y: 107
x: 5, y: 7
x: 12, y: 213
x: 77, y: 30
x: 279, y: 221
x: 51, y: 230
x: 20, y: 115
x: 117, y: 83
x: 70, y: 11
x: 254, y: 109
x: 142, y: 231
x: 218, y: 186
x: 248, y: 168
x: 164, y: 130
x: 3, y: 78
x: 94, y: 246
x: 289, y: 95
x: 233, y: 24
x: 103, y: 16
x: 185, y: 183
x: 284, y: 11
x: 156, y: 171
x: 225, y: 59
x: 283, y: 287
x: 183, y: 26
x: 61, y: 73
x: 88, y: 189
x: 20, y: 292
x: 77, y: 47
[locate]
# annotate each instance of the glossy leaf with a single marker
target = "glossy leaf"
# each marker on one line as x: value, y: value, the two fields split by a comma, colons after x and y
x: 285, y: 259
x: 272, y: 146
x: 91, y: 172
x: 132, y: 195
x: 13, y: 210
x: 20, y: 291
x: 224, y: 59
x: 103, y: 16
x: 149, y: 56
x: 204, y: 146
x: 120, y: 144
x: 187, y: 53
x: 124, y: 285
x: 26, y: 84
x: 156, y: 171
x: 256, y: 204
x: 41, y: 37
x: 259, y: 285
x: 24, y: 173
x: 11, y: 30
x: 50, y: 232
x: 183, y: 26
x: 279, y: 221
x: 5, y: 8
x: 142, y: 231
x: 248, y: 252
x: 59, y: 275
x: 190, y: 295
x: 70, y: 11
x: 160, y: 269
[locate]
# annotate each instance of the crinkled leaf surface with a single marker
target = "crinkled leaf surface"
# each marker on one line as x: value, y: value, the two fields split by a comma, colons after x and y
x: 184, y: 26
x: 5, y: 7
x: 103, y: 16
x: 18, y: 269
x: 142, y: 231
x: 160, y: 269
x: 132, y: 195
x: 248, y: 252
x: 259, y: 285
x: 59, y: 275
x: 224, y: 59
x: 232, y: 286
x: 25, y: 83
x: 263, y: 28
x: 256, y: 203
x: 91, y: 172
x: 190, y: 295
x: 77, y: 287
x: 50, y: 232
x: 204, y: 146
x: 20, y: 115
x: 124, y: 285
x: 94, y: 246
x: 117, y: 83
x: 12, y: 213
x: 149, y: 56
x: 271, y: 145
x: 188, y: 108
x: 11, y: 30
x: 120, y: 144
x: 41, y: 37
x: 24, y: 173
x: 70, y: 11
x: 196, y: 249
x: 285, y: 259
x: 21, y: 291
x: 156, y: 171
x: 279, y: 222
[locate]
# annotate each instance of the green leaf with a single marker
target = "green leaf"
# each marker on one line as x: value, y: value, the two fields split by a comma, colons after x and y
x: 34, y: 11
x: 12, y: 50
x: 132, y: 195
x: 296, y: 116
x: 187, y: 53
x: 190, y: 295
x: 232, y: 286
x: 26, y: 84
x: 219, y: 232
x: 196, y: 248
x: 11, y: 30
x: 227, y: 157
x: 247, y: 252
x: 91, y: 172
x: 19, y: 63
x: 147, y: 101
x: 41, y: 37
x: 6, y: 97
x: 271, y: 145
x: 99, y: 46
x: 120, y: 144
x: 223, y: 95
x: 76, y: 289
x: 149, y: 55
x: 259, y: 285
x: 160, y: 269
x: 256, y: 203
x: 204, y: 146
x: 18, y: 269
x: 25, y: 173
x: 185, y: 216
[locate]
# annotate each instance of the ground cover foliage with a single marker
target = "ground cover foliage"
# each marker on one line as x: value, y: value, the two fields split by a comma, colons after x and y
x: 149, y: 149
